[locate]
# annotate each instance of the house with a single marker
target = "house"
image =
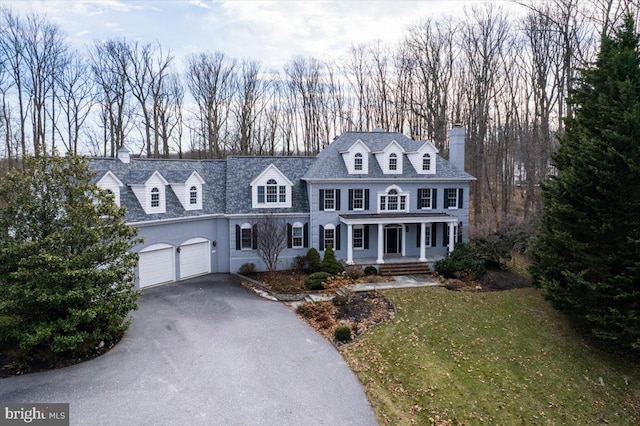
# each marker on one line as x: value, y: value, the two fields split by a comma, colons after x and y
x: 375, y: 197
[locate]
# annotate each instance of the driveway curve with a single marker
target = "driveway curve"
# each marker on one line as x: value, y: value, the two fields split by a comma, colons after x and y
x: 206, y: 352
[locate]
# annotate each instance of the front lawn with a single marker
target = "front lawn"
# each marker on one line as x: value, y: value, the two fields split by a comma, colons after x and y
x: 490, y: 358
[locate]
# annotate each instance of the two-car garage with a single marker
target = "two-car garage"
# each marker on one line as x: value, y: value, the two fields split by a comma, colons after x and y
x: 157, y: 263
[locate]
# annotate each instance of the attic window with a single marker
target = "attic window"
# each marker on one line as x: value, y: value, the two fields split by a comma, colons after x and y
x: 193, y: 195
x: 393, y: 162
x: 272, y: 193
x: 155, y: 197
x: 357, y: 162
x: 426, y: 162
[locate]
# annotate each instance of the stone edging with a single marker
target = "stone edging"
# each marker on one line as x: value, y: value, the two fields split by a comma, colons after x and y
x: 280, y: 297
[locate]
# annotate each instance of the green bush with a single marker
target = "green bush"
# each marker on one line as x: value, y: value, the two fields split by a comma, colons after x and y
x: 370, y: 270
x: 316, y: 280
x: 342, y: 333
x: 354, y: 272
x: 463, y: 262
x: 313, y: 260
x: 247, y: 269
x: 329, y: 263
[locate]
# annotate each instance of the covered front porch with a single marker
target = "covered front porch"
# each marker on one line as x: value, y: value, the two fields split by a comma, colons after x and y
x: 391, y: 234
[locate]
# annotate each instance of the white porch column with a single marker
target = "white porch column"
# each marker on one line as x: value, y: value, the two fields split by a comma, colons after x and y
x: 451, y: 236
x: 380, y: 243
x: 404, y: 240
x: 349, y: 244
x: 423, y: 257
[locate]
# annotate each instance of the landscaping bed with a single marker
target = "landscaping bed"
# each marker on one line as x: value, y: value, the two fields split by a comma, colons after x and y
x: 292, y: 281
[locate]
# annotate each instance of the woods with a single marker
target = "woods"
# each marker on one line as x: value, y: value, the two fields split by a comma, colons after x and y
x: 506, y: 77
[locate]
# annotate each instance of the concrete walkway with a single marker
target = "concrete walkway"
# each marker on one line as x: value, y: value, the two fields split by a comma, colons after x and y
x: 206, y: 352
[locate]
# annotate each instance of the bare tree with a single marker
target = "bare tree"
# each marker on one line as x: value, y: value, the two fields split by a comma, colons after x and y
x: 271, y: 239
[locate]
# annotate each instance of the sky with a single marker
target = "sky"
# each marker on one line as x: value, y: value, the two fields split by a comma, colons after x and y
x: 271, y: 32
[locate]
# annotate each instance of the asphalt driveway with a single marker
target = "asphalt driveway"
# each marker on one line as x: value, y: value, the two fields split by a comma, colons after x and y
x: 206, y: 352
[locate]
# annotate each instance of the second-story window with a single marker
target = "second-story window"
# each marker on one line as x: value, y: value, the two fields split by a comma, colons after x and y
x: 358, y: 199
x: 329, y: 199
x: 155, y: 197
x: 393, y: 201
x: 393, y: 162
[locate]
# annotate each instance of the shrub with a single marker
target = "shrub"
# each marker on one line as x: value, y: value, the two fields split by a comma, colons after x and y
x: 247, y: 269
x: 301, y: 263
x: 342, y: 333
x: 370, y: 270
x: 313, y: 260
x: 354, y: 272
x: 306, y: 310
x: 329, y: 263
x: 463, y: 261
x: 316, y: 280
x: 340, y: 300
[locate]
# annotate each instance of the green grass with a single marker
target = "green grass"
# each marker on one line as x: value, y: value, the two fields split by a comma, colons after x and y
x: 503, y: 358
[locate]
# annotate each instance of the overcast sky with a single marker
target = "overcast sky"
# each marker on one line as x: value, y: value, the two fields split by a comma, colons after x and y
x: 271, y: 32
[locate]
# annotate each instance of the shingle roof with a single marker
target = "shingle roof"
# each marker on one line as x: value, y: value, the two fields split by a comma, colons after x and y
x: 330, y: 165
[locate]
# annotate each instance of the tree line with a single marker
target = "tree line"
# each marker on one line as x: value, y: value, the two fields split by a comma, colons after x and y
x: 507, y: 80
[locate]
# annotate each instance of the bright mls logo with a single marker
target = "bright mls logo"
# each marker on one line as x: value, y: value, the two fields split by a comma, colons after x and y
x: 34, y: 414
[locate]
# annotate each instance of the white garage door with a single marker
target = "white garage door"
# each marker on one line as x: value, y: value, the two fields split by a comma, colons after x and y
x: 156, y: 265
x: 195, y: 258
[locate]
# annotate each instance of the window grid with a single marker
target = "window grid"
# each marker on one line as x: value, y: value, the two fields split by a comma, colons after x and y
x: 426, y: 162
x: 358, y: 199
x: 246, y: 239
x: 357, y: 162
x: 393, y: 162
x: 452, y: 198
x: 393, y: 201
x: 329, y: 237
x: 272, y: 191
x: 425, y: 200
x: 297, y: 237
x: 155, y: 197
x: 358, y: 237
x: 427, y: 236
x: 329, y: 199
x: 193, y: 195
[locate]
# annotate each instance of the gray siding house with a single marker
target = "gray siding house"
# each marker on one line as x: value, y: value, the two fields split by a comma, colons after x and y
x: 375, y: 197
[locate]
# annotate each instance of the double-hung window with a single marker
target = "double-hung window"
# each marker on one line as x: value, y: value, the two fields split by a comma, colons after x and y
x: 358, y: 237
x: 427, y: 235
x: 426, y: 162
x: 193, y: 195
x: 330, y: 237
x: 246, y: 237
x: 393, y: 162
x: 329, y: 199
x: 358, y: 199
x: 453, y: 198
x: 296, y: 236
x: 426, y: 198
x: 155, y: 197
x: 357, y: 162
x: 393, y: 201
x: 272, y: 193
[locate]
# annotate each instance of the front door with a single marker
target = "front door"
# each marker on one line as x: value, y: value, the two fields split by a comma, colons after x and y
x: 392, y: 239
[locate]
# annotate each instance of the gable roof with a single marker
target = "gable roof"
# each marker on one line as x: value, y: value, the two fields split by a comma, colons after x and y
x: 330, y: 164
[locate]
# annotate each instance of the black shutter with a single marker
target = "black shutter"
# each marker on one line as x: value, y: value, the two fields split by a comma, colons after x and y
x: 337, y: 192
x: 321, y: 238
x: 433, y: 235
x: 289, y: 235
x: 238, y: 237
x: 460, y: 196
x: 460, y: 232
x: 444, y: 198
x: 351, y: 199
x: 306, y: 235
x: 366, y: 199
x: 366, y: 236
x: 418, y: 234
x: 321, y: 200
x: 419, y: 200
x: 337, y: 247
x: 434, y: 198
x: 445, y: 234
x: 254, y: 237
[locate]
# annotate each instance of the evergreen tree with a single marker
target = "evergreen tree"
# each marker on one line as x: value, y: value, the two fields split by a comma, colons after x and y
x: 329, y: 262
x: 66, y: 273
x: 587, y: 255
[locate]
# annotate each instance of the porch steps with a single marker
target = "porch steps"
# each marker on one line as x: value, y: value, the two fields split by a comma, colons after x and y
x: 404, y: 268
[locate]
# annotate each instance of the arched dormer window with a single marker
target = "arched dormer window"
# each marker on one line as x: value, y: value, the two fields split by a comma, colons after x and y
x: 393, y: 162
x: 193, y: 195
x: 155, y: 197
x: 426, y: 162
x: 272, y: 191
x: 357, y: 162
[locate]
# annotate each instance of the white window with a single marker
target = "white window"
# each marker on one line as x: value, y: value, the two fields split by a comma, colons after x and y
x: 272, y: 193
x: 426, y: 162
x: 393, y: 201
x: 358, y: 237
x: 357, y: 162
x: 358, y: 199
x: 330, y: 237
x: 452, y: 198
x: 296, y: 235
x: 329, y: 199
x: 193, y: 195
x: 246, y: 237
x: 393, y: 162
x: 425, y: 198
x: 427, y: 235
x: 155, y: 197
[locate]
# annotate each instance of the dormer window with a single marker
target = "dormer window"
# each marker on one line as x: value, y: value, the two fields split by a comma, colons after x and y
x: 426, y: 162
x: 271, y: 189
x: 357, y: 162
x: 155, y: 198
x: 193, y: 195
x: 393, y: 162
x: 275, y: 193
